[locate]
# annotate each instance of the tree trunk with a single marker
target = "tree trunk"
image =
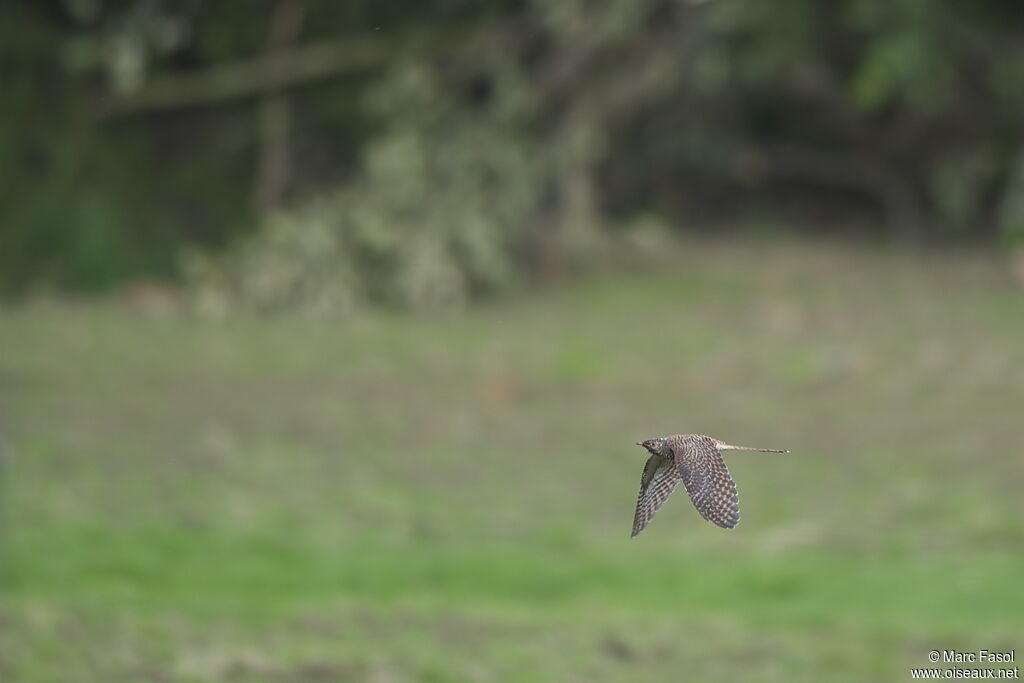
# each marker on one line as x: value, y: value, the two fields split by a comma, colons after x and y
x: 275, y: 113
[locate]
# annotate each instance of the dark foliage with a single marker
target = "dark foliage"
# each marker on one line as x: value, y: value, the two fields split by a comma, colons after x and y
x: 450, y: 149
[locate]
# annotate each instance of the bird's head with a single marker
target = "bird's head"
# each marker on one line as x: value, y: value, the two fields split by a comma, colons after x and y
x: 657, y: 446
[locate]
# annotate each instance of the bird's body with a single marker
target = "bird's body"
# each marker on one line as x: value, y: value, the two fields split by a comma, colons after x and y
x: 696, y: 461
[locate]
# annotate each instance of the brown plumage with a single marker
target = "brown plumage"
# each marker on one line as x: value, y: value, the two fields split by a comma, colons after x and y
x: 696, y: 461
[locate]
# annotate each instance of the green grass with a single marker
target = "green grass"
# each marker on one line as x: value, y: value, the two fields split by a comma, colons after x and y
x: 450, y: 498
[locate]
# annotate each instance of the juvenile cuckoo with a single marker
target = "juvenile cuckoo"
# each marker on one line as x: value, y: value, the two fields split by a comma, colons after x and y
x: 696, y: 460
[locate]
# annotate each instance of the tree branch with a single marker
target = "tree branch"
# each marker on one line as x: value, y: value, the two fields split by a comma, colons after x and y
x: 272, y: 72
x: 893, y: 192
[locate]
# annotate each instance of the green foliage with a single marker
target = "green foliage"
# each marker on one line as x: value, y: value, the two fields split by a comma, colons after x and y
x: 958, y: 184
x: 434, y: 219
x: 490, y: 143
x: 1010, y: 217
x: 89, y: 204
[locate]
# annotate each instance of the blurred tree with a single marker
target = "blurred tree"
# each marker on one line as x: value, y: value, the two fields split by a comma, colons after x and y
x: 439, y: 151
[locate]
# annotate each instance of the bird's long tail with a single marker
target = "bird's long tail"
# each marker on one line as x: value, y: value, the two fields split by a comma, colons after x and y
x: 729, y: 447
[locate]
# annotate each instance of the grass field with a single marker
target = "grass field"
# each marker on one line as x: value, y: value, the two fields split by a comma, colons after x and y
x: 448, y: 499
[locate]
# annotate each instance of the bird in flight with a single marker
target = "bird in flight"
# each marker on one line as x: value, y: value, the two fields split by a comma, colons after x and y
x: 696, y: 460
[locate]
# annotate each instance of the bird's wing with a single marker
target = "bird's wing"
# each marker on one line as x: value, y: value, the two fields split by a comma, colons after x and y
x: 707, y: 480
x: 659, y: 480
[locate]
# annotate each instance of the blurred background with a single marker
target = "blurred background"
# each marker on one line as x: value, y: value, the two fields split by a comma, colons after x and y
x: 327, y: 329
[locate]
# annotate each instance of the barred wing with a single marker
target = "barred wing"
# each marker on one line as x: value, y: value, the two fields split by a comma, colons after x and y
x: 707, y: 480
x: 659, y: 480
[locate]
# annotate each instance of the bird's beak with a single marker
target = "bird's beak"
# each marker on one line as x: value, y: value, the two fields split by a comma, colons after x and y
x: 639, y: 443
